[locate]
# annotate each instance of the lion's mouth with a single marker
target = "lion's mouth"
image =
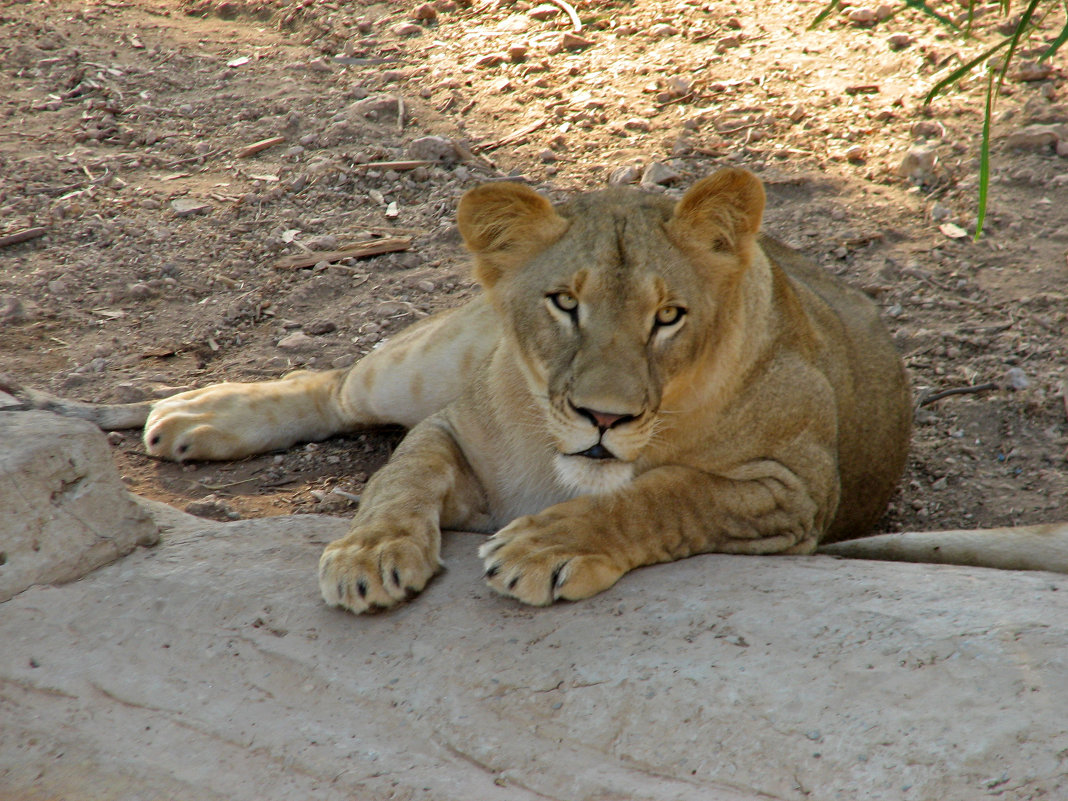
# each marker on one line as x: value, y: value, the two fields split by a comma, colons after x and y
x: 598, y: 451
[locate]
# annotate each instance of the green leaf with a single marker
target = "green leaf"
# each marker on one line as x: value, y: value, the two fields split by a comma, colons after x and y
x: 984, y: 156
x: 827, y: 11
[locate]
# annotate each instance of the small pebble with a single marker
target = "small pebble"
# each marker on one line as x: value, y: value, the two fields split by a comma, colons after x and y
x: 1017, y: 379
x: 662, y: 30
x: 626, y: 174
x: 898, y: 41
x: 408, y: 29
x: 296, y: 341
x: 918, y: 165
x: 863, y: 16
x: 425, y: 13
x: 659, y: 174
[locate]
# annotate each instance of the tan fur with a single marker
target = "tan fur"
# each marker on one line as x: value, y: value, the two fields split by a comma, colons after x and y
x: 771, y: 415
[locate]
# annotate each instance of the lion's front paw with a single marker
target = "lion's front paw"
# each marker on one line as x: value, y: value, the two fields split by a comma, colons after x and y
x: 211, y: 423
x: 539, y: 561
x: 368, y: 570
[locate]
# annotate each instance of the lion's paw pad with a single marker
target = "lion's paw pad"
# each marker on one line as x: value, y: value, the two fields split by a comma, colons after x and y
x: 361, y: 577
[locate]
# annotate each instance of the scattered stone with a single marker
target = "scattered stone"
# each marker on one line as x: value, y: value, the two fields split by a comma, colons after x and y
x: 12, y: 309
x: 928, y: 129
x: 322, y: 242
x: 637, y: 124
x: 213, y: 508
x: 425, y: 13
x: 918, y: 165
x: 374, y: 107
x: 659, y: 174
x: 490, y: 60
x: 296, y: 341
x: 626, y: 174
x: 140, y: 291
x: 863, y: 17
x: 408, y: 29
x: 952, y: 230
x: 1036, y: 137
x: 547, y: 156
x: 320, y: 65
x: 187, y: 206
x: 1028, y: 71
x: 940, y: 212
x: 543, y: 12
x: 856, y: 154
x: 883, y: 12
x: 433, y: 148
x: 679, y: 86
x: 898, y: 41
x: 727, y: 43
x: 317, y: 328
x: 663, y: 30
x: 517, y: 52
x: 1017, y: 379
x: 115, y: 438
x: 1062, y: 148
x: 572, y: 41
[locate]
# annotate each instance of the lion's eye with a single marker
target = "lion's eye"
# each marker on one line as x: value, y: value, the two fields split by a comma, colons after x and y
x: 564, y: 301
x: 669, y: 315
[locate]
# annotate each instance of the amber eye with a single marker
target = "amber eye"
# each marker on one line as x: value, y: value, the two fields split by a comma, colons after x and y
x: 564, y: 301
x: 669, y: 315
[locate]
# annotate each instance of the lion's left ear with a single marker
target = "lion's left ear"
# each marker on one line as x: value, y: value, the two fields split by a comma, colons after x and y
x: 504, y: 223
x: 721, y: 212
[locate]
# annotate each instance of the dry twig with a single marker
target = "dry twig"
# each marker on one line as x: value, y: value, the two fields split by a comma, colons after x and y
x: 357, y: 250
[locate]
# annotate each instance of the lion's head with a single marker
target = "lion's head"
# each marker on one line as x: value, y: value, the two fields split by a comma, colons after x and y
x: 619, y: 306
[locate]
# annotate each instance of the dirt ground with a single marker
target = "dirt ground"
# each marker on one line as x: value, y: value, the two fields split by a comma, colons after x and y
x: 155, y: 246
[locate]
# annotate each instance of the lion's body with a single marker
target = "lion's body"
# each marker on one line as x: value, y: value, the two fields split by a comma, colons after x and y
x: 641, y: 381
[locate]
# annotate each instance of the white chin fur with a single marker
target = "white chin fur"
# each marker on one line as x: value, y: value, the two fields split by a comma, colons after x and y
x: 584, y: 476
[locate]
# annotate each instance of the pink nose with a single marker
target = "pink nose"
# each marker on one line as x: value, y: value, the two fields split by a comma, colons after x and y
x: 603, y: 420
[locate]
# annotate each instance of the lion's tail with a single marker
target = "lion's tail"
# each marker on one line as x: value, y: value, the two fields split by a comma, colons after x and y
x: 1041, y: 547
x: 108, y: 416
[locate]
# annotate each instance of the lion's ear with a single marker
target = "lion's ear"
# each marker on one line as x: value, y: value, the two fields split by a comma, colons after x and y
x: 503, y: 223
x: 721, y: 212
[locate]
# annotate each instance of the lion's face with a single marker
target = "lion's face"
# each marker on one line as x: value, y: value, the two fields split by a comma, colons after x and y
x: 612, y: 304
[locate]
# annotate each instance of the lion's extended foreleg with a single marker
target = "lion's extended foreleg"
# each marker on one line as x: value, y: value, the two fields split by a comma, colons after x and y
x: 229, y: 421
x: 580, y: 547
x: 394, y: 547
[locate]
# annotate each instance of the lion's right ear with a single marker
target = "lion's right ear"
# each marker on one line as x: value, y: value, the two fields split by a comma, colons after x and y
x: 504, y: 223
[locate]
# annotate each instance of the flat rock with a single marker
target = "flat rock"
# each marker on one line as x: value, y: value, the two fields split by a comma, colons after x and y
x: 209, y: 668
x: 63, y: 509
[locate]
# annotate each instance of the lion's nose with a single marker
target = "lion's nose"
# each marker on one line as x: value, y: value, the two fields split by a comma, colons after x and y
x: 603, y: 420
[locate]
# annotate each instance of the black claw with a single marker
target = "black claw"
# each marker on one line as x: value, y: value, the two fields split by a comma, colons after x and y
x: 514, y: 580
x: 340, y: 591
x: 154, y: 440
x: 395, y: 576
x: 492, y: 571
x: 361, y: 588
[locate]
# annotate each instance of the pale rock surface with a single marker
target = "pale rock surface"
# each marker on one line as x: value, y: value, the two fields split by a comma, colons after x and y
x: 208, y: 668
x: 63, y: 509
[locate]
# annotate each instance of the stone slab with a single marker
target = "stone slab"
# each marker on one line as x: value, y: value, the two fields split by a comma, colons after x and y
x: 63, y: 509
x: 208, y: 668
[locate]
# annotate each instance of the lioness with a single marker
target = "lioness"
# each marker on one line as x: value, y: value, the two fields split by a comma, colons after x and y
x: 642, y: 380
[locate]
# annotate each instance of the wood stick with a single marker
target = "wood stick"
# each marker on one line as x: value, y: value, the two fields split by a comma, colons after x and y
x: 399, y: 166
x: 22, y: 236
x: 512, y: 137
x: 357, y: 250
x: 576, y: 23
x: 945, y: 393
x: 256, y: 147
